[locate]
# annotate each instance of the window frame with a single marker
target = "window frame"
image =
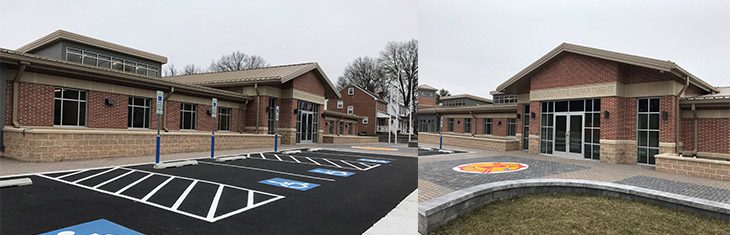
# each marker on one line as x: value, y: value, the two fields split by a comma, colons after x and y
x: 365, y: 120
x: 350, y: 110
x: 511, y: 127
x: 224, y: 114
x: 146, y: 110
x: 193, y: 116
x: 350, y: 91
x: 340, y: 104
x: 62, y: 100
x: 488, y: 126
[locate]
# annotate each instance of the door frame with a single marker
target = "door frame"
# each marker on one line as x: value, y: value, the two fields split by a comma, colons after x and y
x: 567, y: 152
x: 310, y: 125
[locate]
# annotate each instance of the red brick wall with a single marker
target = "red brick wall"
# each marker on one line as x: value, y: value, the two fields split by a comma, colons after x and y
x: 287, y: 117
x: 35, y: 104
x: 634, y: 74
x: 363, y: 104
x: 101, y: 115
x: 172, y: 115
x: 202, y: 119
x: 569, y: 69
x: 252, y: 110
x: 621, y: 124
x: 426, y: 101
x: 499, y: 126
x: 309, y: 82
x: 9, y: 103
x: 666, y: 127
x: 693, y: 90
x: 478, y: 126
x: 534, y: 123
x: 712, y: 136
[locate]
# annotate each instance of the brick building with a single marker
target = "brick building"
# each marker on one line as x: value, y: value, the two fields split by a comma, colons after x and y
x: 595, y: 104
x: 69, y: 96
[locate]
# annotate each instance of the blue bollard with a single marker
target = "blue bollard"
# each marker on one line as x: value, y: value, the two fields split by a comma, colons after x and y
x: 212, y: 146
x: 276, y: 142
x: 157, y: 150
x: 441, y: 141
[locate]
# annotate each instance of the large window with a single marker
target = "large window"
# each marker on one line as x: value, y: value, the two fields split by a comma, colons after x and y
x: 224, y: 119
x: 340, y: 104
x: 138, y: 112
x: 547, y: 125
x: 69, y: 107
x: 188, y: 116
x: 467, y: 125
x: 647, y: 130
x: 511, y: 127
x: 526, y: 127
x: 450, y: 125
x: 505, y: 99
x: 488, y: 126
x: 350, y: 109
x: 271, y: 109
x: 106, y: 61
x: 592, y: 136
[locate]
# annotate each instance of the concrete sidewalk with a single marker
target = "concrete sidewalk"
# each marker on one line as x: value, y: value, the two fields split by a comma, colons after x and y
x: 404, y: 217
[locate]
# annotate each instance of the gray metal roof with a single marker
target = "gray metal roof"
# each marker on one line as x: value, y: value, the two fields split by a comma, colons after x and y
x: 466, y: 96
x: 426, y: 87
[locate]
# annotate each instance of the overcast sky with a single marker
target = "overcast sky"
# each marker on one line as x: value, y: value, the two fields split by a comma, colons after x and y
x: 473, y: 46
x: 331, y: 33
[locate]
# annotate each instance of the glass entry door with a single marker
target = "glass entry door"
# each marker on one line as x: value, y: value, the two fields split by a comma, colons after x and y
x: 307, y: 121
x: 569, y: 134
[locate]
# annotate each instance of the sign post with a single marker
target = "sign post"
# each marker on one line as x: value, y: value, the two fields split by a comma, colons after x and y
x: 159, y: 107
x: 441, y: 135
x: 276, y: 129
x: 213, y: 114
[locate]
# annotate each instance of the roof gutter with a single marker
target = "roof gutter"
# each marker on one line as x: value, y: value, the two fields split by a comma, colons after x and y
x: 16, y: 84
x: 258, y: 107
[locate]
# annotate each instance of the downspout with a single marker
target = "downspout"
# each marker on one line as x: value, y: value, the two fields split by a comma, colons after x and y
x: 678, y: 116
x: 16, y: 84
x: 164, y: 114
x: 240, y: 116
x: 694, y: 130
x: 258, y: 107
x: 473, y: 124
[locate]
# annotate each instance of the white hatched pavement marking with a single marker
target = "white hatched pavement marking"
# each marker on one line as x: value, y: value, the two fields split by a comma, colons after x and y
x: 113, y: 179
x: 262, y: 156
x: 343, y: 161
x: 134, y: 183
x: 157, y: 189
x: 214, y: 204
x: 184, y: 195
x: 73, y: 173
x: 313, y: 161
x: 295, y: 159
x: 95, y: 175
x: 335, y: 164
x: 277, y: 157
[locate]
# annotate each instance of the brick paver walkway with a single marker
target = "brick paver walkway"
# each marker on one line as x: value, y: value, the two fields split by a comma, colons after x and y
x: 436, y: 178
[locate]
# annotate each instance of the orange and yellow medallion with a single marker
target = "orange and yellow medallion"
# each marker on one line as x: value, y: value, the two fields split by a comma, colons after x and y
x: 491, y: 167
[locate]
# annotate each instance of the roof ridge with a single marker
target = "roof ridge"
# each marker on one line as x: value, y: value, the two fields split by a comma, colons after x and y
x: 249, y: 69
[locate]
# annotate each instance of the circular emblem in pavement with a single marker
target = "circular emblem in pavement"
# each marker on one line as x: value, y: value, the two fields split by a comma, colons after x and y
x: 491, y: 167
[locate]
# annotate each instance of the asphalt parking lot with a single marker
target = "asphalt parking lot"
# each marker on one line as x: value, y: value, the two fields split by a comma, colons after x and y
x: 322, y: 192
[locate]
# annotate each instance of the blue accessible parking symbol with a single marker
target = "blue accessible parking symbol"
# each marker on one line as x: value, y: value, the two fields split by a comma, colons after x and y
x: 291, y: 184
x: 373, y: 160
x: 331, y: 172
x: 100, y: 226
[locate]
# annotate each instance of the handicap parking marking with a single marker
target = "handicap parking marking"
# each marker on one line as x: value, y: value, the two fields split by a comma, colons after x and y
x: 331, y: 172
x: 100, y: 226
x: 290, y: 184
x: 319, y: 161
x: 213, y: 213
x: 373, y: 160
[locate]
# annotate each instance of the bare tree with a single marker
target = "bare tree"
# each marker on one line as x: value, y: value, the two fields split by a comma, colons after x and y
x: 192, y: 69
x: 366, y: 73
x: 237, y: 61
x: 170, y: 70
x: 400, y: 64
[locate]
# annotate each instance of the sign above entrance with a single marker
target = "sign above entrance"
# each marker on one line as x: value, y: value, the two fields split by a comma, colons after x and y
x: 491, y: 167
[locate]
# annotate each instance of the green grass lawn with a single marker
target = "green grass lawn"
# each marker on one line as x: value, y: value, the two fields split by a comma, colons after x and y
x: 578, y: 214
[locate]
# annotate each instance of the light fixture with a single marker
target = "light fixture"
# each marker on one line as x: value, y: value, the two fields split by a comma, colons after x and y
x: 518, y: 116
x: 532, y: 115
x: 606, y: 114
x: 665, y: 115
x: 110, y: 102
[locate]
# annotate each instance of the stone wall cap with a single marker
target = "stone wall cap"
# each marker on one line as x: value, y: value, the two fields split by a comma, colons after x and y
x: 671, y: 156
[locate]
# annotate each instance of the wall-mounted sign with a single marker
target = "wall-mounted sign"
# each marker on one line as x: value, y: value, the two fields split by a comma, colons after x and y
x: 491, y: 167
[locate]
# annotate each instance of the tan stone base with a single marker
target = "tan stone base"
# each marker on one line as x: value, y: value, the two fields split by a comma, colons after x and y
x: 348, y: 139
x: 534, y: 147
x: 64, y: 144
x: 714, y: 169
x: 489, y: 143
x: 666, y: 148
x: 618, y: 151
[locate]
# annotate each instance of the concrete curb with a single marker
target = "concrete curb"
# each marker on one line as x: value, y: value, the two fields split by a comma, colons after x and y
x: 164, y: 165
x: 15, y: 182
x: 439, y: 211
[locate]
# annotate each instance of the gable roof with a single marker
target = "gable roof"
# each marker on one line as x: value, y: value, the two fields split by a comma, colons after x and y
x: 662, y: 65
x: 426, y: 87
x: 69, y: 36
x: 276, y: 74
x: 466, y: 96
x: 363, y: 90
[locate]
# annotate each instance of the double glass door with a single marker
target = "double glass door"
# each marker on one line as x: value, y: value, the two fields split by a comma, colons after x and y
x: 307, y: 126
x: 569, y: 134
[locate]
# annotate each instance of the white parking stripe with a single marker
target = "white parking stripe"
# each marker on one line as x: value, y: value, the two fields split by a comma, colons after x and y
x: 313, y: 161
x: 267, y: 170
x: 262, y: 155
x: 214, y: 204
x: 94, y: 175
x: 134, y: 183
x: 250, y: 199
x: 72, y: 173
x: 350, y: 164
x: 335, y: 164
x: 295, y: 159
x: 157, y: 189
x: 113, y: 179
x: 184, y: 195
x: 277, y: 157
